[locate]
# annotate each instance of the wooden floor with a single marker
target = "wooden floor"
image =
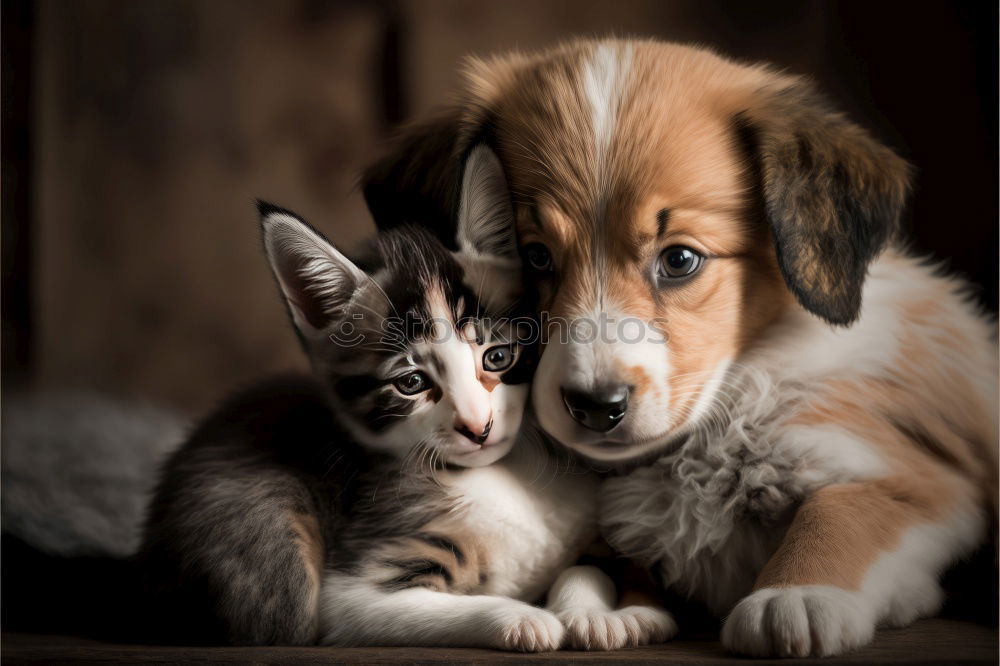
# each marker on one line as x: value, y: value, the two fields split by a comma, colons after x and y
x: 927, y: 642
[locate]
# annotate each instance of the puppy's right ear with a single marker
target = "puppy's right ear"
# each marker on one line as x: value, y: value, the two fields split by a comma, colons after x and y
x: 417, y: 180
x: 316, y: 280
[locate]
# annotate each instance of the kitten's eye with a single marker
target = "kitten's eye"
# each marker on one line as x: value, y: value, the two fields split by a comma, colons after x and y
x: 496, y: 359
x: 678, y: 262
x: 412, y: 383
x: 538, y: 257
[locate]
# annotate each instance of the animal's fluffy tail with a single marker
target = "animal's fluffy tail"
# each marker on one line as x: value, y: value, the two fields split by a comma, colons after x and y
x: 77, y: 472
x: 78, y: 469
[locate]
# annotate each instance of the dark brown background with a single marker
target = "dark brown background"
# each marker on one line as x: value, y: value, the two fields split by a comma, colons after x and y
x: 136, y: 134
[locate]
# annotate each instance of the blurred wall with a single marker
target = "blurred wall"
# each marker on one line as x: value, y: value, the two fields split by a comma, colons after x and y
x: 130, y: 241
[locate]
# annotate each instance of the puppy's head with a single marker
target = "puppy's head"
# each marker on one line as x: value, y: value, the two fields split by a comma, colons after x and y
x: 669, y: 205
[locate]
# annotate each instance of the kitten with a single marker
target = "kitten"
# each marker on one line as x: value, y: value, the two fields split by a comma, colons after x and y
x: 393, y: 499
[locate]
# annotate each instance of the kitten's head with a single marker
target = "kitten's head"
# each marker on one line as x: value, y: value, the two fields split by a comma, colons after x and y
x: 416, y: 343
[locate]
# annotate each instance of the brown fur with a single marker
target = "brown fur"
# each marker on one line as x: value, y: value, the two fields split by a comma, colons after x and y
x: 841, y: 530
x: 310, y: 545
x: 721, y: 145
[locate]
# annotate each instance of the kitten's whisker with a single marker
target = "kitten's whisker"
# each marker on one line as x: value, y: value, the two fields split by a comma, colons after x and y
x: 384, y: 295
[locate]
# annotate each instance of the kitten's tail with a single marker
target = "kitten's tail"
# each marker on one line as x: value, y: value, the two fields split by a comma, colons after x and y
x: 78, y: 470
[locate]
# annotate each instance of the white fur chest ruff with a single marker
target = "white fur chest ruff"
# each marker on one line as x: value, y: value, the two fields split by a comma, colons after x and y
x: 708, y: 516
x: 535, y: 518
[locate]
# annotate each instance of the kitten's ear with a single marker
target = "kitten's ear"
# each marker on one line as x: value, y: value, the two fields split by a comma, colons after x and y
x: 485, y: 213
x: 316, y: 280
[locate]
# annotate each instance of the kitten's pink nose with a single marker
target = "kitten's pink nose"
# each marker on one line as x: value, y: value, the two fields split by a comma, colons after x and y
x: 475, y: 430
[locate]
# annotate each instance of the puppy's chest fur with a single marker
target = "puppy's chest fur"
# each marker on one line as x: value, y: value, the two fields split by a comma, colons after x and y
x: 505, y: 529
x: 709, y: 515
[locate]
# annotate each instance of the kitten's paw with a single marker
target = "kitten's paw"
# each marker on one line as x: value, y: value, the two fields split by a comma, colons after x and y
x: 591, y: 629
x: 527, y: 629
x: 799, y: 621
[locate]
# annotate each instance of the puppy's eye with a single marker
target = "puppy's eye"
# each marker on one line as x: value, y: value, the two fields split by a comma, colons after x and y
x: 497, y: 358
x: 538, y: 257
x: 412, y: 383
x: 678, y: 262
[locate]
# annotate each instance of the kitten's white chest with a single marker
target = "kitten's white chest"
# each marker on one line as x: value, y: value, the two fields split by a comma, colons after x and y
x: 531, y: 520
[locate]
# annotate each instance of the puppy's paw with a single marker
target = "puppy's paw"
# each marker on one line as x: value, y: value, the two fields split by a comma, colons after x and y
x: 799, y: 621
x: 612, y: 630
x: 526, y: 629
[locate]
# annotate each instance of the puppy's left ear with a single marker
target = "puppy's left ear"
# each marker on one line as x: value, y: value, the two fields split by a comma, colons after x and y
x: 832, y: 195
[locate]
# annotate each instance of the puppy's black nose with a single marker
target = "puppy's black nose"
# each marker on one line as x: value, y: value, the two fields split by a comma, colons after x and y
x: 599, y: 410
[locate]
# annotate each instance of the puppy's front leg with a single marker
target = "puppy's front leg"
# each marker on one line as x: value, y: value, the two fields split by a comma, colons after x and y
x: 356, y: 612
x: 855, y: 555
x: 584, y: 598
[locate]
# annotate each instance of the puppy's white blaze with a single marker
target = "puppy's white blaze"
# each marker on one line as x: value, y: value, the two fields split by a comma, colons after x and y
x: 604, y: 77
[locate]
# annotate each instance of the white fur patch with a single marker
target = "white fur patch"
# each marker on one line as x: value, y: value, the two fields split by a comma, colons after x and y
x: 830, y: 452
x: 583, y: 598
x: 604, y: 78
x: 902, y: 585
x: 710, y: 514
x: 354, y: 612
x: 799, y: 621
x: 538, y: 519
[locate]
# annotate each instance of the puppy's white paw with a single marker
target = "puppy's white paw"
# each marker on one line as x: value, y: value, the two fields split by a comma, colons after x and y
x: 594, y: 629
x: 799, y: 621
x: 526, y: 629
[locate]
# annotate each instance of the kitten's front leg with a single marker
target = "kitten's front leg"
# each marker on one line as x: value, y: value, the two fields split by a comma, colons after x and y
x: 355, y: 611
x: 583, y: 598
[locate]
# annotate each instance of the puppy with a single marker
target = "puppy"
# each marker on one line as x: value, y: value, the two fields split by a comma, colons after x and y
x: 805, y: 415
